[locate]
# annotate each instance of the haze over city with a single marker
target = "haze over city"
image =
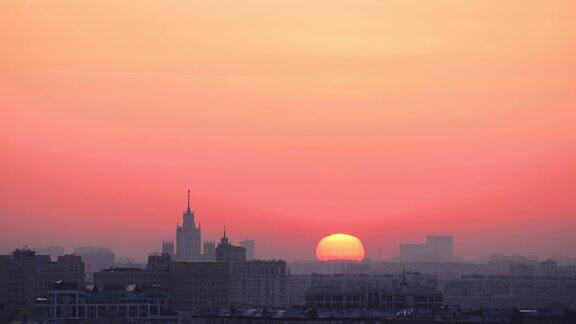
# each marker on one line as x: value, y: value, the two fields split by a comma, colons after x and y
x: 289, y: 121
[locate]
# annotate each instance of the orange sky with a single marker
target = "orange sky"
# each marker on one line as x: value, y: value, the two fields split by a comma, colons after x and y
x: 289, y: 120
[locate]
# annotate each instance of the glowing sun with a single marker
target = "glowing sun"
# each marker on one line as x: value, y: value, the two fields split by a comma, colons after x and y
x: 340, y: 247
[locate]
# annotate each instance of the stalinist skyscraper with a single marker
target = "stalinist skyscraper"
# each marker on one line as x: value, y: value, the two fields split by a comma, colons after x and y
x: 188, y: 237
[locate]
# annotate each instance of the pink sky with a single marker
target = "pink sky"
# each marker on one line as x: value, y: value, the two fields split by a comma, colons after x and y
x: 289, y: 120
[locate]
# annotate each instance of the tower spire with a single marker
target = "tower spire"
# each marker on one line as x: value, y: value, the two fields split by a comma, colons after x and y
x: 188, y: 209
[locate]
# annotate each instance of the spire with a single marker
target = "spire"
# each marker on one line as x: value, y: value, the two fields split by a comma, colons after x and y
x: 188, y: 209
x: 224, y: 239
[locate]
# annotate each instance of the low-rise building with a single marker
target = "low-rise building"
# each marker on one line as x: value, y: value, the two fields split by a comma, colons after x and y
x: 25, y: 276
x: 67, y: 301
x: 505, y: 291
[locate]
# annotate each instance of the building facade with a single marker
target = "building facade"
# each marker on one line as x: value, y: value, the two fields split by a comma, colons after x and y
x: 361, y: 298
x: 227, y: 252
x: 505, y: 292
x: 192, y: 285
x: 259, y: 283
x: 24, y: 276
x: 67, y: 301
x: 199, y: 285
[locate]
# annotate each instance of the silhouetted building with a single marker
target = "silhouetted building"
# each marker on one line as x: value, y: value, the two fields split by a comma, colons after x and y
x: 522, y: 269
x: 197, y: 285
x: 414, y: 253
x: 374, y: 292
x: 228, y: 252
x: 259, y: 283
x: 438, y: 248
x: 209, y: 251
x: 188, y: 237
x: 548, y: 268
x: 53, y: 251
x: 168, y: 247
x: 25, y: 276
x: 66, y: 301
x: 193, y: 285
x: 250, y: 246
x: 441, y: 247
x: 507, y: 292
x: 96, y: 258
x: 159, y: 262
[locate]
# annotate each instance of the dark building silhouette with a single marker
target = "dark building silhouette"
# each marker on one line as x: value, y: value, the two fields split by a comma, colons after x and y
x: 225, y: 251
x: 25, y: 276
x: 66, y: 300
x: 96, y: 258
x: 259, y: 283
x: 53, y: 251
x: 193, y: 285
x: 438, y: 248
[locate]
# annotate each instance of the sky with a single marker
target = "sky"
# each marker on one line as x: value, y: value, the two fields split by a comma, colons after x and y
x: 289, y: 120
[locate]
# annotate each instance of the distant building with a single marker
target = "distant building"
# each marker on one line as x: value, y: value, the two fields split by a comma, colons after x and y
x: 25, y: 276
x: 168, y: 247
x: 96, y: 259
x: 438, y: 248
x: 250, y: 246
x: 53, y: 251
x: 349, y: 293
x: 441, y: 247
x: 259, y: 283
x: 188, y: 237
x: 225, y: 251
x: 209, y: 249
x: 66, y: 301
x: 548, y: 268
x: 507, y: 292
x: 414, y: 253
x: 522, y: 269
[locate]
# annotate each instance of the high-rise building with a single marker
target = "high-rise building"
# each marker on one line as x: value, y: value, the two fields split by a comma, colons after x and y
x: 441, y: 247
x: 168, y: 247
x: 225, y: 251
x: 188, y: 237
x: 250, y: 246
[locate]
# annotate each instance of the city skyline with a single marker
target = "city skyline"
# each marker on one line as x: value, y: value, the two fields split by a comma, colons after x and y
x: 192, y: 247
x: 189, y: 213
x: 288, y: 161
x: 289, y: 120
